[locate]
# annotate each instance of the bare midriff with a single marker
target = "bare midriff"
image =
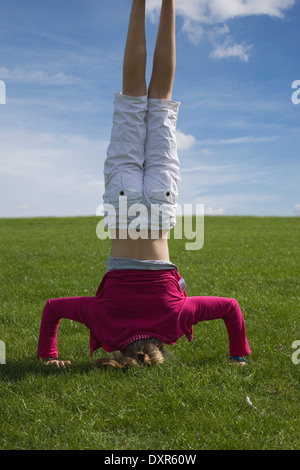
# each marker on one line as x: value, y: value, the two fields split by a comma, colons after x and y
x: 144, y: 248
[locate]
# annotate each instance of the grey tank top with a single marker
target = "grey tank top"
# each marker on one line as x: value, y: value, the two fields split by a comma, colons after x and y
x: 129, y: 263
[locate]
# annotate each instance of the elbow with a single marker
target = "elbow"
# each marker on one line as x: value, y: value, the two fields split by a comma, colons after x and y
x: 49, y: 308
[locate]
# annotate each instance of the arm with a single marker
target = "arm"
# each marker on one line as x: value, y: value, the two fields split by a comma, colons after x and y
x: 207, y: 308
x: 78, y: 309
x: 48, y: 332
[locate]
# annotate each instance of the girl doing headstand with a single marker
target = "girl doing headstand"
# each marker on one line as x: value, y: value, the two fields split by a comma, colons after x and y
x: 141, y: 303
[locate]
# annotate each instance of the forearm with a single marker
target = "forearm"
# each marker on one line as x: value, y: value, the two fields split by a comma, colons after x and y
x: 79, y: 309
x: 212, y: 308
x: 47, y: 346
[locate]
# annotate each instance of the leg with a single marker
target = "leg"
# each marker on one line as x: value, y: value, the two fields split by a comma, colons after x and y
x: 162, y: 168
x: 164, y: 61
x: 135, y: 56
x: 123, y: 167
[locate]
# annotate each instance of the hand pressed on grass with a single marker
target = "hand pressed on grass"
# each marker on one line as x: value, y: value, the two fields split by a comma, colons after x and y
x: 56, y: 362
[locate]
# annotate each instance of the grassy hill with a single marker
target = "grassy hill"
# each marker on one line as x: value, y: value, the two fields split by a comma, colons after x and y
x: 196, y: 400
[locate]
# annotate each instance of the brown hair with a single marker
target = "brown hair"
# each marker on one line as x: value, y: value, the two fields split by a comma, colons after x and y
x: 144, y: 351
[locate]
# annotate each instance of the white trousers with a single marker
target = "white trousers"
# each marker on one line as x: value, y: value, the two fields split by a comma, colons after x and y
x: 142, y: 168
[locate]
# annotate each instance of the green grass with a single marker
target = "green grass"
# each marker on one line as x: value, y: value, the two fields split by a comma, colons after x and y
x: 196, y: 400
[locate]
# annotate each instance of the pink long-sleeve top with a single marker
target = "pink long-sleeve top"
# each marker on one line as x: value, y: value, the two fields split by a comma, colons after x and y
x: 135, y: 304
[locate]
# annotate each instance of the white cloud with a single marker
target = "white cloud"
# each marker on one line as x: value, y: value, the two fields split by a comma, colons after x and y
x: 235, y: 50
x: 42, y: 77
x: 50, y: 174
x: 193, y: 30
x: 199, y: 178
x: 239, y: 140
x: 225, y: 46
x: 214, y: 210
x: 22, y: 207
x: 223, y: 11
x: 41, y: 152
x: 218, y: 11
x: 184, y: 141
x: 206, y: 152
x: 297, y: 209
x: 237, y: 203
x: 197, y: 14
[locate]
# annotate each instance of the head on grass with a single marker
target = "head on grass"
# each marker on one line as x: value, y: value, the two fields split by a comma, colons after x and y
x: 142, y: 352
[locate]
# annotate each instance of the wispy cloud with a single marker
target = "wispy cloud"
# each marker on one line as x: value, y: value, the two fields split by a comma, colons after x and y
x: 297, y: 209
x: 239, y: 140
x: 213, y: 174
x: 226, y: 203
x: 48, y: 172
x: 48, y: 153
x: 193, y: 30
x: 184, y: 141
x: 22, y: 207
x: 41, y: 77
x: 201, y: 16
x: 218, y: 11
x: 231, y: 50
x: 214, y: 210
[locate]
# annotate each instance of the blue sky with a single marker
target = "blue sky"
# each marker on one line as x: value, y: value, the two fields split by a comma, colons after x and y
x: 238, y: 129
